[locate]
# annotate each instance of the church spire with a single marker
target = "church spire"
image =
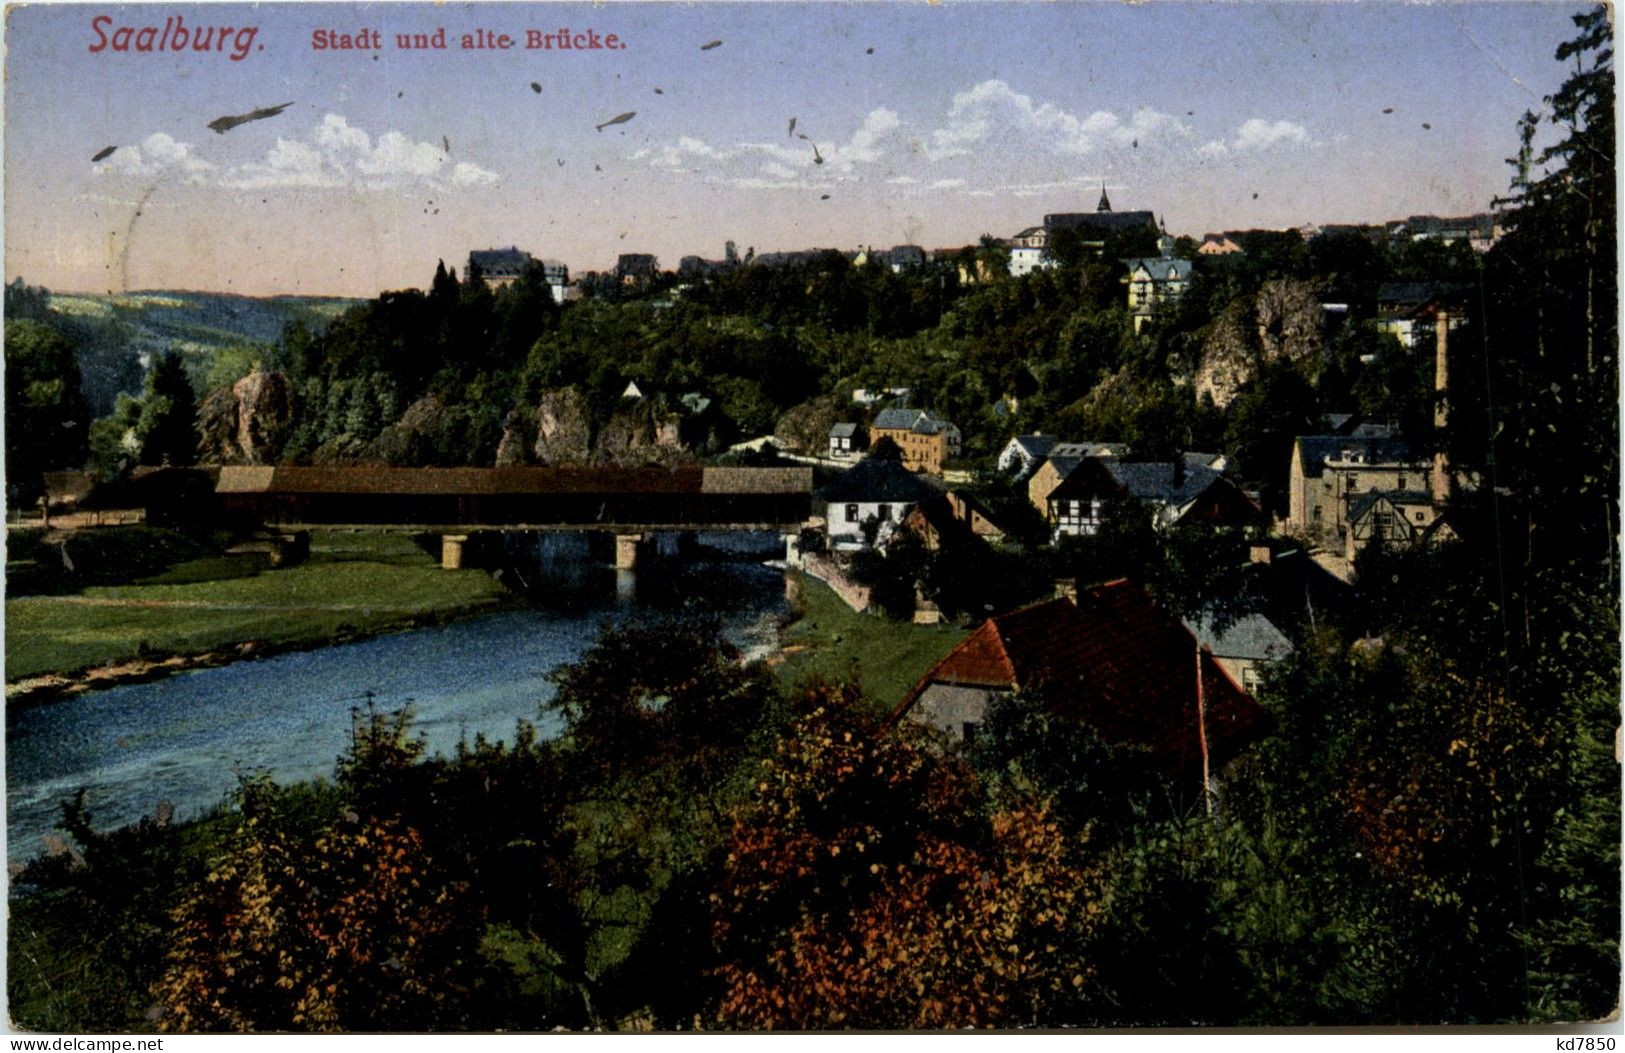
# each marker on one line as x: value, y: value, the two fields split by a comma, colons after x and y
x: 1105, y: 203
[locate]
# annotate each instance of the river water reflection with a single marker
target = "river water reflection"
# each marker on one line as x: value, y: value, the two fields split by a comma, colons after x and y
x: 184, y: 739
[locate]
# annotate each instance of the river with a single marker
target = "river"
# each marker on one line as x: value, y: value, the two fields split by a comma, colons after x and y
x: 185, y: 739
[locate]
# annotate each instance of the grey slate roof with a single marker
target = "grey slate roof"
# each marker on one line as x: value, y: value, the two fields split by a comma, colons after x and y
x: 1400, y: 295
x: 896, y: 417
x: 1065, y: 464
x: 1162, y: 268
x: 915, y: 420
x: 1250, y: 636
x: 1155, y: 480
x: 1317, y: 449
x: 1035, y: 445
x: 873, y: 479
x: 843, y: 430
x: 1105, y: 221
x: 1080, y: 449
x: 500, y: 263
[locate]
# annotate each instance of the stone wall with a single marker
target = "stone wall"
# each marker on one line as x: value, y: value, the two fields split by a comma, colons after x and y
x: 829, y: 572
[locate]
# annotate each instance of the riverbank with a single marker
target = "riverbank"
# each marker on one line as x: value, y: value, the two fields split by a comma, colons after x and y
x: 832, y: 641
x: 214, y: 610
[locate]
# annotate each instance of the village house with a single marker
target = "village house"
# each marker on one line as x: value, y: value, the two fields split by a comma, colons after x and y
x: 699, y: 267
x: 1063, y: 457
x: 1408, y: 311
x: 1023, y: 454
x: 499, y: 268
x: 1242, y: 646
x: 902, y: 258
x: 1329, y: 474
x: 1154, y: 280
x: 1111, y: 659
x: 927, y: 441
x: 1187, y: 490
x: 1480, y: 230
x: 636, y: 268
x: 971, y: 263
x: 865, y: 504
x: 846, y: 440
x: 1394, y: 519
x: 1218, y: 245
x: 951, y: 518
x: 1027, y: 252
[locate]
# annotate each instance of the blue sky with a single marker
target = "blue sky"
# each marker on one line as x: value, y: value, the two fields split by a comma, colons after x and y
x: 966, y: 118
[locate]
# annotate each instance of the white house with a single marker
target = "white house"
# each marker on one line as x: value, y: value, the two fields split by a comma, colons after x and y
x: 877, y: 492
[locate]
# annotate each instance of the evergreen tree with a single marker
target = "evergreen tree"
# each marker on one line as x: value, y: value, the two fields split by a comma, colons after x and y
x: 168, y: 424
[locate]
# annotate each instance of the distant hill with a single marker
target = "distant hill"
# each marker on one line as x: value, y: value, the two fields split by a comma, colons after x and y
x: 216, y: 334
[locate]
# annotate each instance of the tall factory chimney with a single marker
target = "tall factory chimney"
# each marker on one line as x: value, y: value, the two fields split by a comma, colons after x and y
x: 1440, y: 481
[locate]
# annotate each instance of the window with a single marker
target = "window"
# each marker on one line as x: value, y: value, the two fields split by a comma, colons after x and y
x: 885, y: 513
x: 1420, y: 517
x: 851, y: 513
x: 1401, y: 484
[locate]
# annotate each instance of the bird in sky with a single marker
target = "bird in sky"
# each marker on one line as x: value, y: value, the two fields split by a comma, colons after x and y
x: 222, y: 125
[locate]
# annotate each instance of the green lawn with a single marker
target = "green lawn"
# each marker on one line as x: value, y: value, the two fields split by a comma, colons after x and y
x: 352, y: 583
x: 833, y: 641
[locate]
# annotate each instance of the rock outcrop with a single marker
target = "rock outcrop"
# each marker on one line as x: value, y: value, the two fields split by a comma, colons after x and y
x: 563, y: 428
x: 247, y: 423
x: 264, y: 415
x: 1282, y: 324
x: 805, y: 428
x: 1228, y: 358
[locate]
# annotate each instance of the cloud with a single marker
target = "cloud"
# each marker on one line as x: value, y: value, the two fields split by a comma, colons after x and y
x: 336, y: 154
x: 1257, y: 134
x: 810, y: 163
x: 993, y: 112
x: 158, y: 154
x: 683, y: 154
x: 466, y: 174
x: 340, y: 154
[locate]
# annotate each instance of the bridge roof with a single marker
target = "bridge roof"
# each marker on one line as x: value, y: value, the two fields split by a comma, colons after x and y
x: 473, y: 481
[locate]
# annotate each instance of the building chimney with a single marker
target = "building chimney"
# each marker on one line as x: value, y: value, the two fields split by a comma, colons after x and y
x: 1440, y: 480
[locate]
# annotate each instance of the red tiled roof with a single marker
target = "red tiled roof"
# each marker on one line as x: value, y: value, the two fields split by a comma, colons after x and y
x: 1115, y: 660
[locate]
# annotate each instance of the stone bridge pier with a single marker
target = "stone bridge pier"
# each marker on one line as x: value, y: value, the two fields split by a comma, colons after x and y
x: 626, y: 551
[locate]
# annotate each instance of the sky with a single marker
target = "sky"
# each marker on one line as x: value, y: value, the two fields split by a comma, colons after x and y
x: 919, y: 123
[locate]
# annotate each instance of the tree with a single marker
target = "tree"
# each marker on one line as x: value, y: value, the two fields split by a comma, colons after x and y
x: 349, y: 931
x: 167, y: 427
x: 862, y: 887
x: 47, y: 422
x: 669, y: 695
x: 1548, y: 402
